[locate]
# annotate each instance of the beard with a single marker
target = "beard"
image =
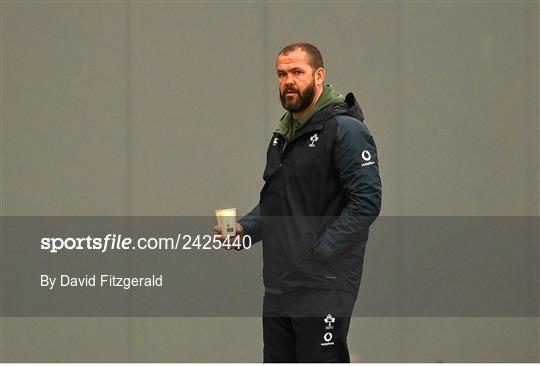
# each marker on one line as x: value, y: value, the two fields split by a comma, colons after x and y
x: 297, y: 103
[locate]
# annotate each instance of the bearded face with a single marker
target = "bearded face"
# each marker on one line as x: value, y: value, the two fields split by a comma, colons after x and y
x: 299, y: 83
x: 295, y: 100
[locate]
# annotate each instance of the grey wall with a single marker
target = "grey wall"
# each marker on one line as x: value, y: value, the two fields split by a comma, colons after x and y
x: 140, y: 108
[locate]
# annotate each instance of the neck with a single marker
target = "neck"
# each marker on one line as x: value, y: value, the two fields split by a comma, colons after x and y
x: 299, y: 115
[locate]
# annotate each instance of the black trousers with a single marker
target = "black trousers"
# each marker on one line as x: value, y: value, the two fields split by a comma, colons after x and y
x: 307, y: 325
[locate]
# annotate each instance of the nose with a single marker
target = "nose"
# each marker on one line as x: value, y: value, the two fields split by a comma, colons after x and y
x: 289, y: 80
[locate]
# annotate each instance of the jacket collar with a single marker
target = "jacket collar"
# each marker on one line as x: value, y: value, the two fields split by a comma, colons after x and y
x: 349, y: 107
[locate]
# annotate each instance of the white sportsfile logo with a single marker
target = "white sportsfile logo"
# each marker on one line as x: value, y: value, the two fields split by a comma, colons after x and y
x: 313, y: 139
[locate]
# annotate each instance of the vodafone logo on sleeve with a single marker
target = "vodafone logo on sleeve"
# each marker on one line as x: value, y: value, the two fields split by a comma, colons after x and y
x: 366, y: 156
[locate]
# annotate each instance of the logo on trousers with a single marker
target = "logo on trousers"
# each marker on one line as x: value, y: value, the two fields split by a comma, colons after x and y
x: 327, y: 339
x: 329, y: 320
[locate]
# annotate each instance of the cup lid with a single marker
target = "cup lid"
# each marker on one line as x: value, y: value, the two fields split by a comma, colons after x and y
x: 225, y: 209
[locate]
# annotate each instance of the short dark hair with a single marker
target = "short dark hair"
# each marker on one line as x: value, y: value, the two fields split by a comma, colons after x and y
x: 314, y: 55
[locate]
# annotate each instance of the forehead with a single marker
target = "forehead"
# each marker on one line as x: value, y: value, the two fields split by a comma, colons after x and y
x: 296, y: 58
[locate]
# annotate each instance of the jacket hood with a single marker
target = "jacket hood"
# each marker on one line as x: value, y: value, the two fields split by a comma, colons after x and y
x: 288, y: 126
x: 348, y: 107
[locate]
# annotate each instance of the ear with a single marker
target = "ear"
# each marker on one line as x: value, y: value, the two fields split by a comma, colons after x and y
x: 320, y: 73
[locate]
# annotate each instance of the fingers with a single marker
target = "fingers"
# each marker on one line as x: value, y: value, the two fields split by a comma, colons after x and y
x: 217, y: 229
x: 230, y: 239
x: 239, y: 229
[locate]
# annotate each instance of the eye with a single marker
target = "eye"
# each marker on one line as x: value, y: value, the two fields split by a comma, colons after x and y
x: 298, y: 72
x: 280, y: 74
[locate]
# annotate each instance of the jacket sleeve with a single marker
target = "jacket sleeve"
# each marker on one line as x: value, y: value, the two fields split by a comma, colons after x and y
x: 355, y: 158
x: 251, y: 223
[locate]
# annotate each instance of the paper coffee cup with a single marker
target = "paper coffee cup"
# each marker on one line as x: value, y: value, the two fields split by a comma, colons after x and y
x: 226, y: 220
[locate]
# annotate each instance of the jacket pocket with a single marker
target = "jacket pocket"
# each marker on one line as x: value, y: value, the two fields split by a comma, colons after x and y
x: 319, y: 267
x: 333, y: 268
x: 303, y: 254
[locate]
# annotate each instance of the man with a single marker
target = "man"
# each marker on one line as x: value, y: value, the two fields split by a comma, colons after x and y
x: 322, y: 192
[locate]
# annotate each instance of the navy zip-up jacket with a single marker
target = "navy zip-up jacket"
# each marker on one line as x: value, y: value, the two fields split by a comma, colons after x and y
x: 322, y: 192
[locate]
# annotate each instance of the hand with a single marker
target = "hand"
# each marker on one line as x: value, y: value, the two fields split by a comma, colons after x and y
x: 239, y: 234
